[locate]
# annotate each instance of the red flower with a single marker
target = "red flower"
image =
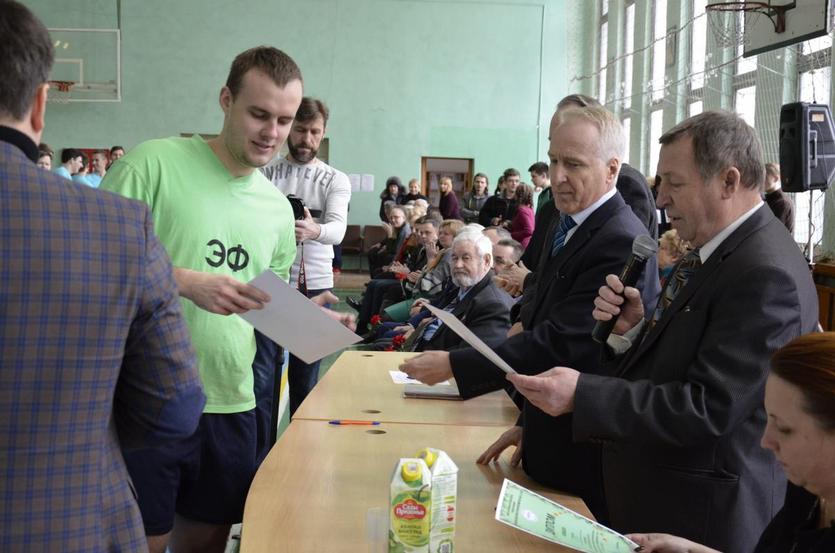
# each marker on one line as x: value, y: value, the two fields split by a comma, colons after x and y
x: 398, y: 340
x: 401, y: 276
x: 376, y: 320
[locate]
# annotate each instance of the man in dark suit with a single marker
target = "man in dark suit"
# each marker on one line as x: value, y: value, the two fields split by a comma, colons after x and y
x: 94, y: 351
x: 475, y: 299
x: 586, y: 145
x: 682, y: 420
x: 630, y: 183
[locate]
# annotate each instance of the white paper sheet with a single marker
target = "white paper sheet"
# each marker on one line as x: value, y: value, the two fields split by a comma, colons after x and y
x: 293, y: 321
x: 367, y: 183
x: 467, y: 335
x: 399, y: 377
x: 355, y: 182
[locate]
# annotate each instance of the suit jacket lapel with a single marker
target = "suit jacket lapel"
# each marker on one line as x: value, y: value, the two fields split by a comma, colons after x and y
x: 581, y: 236
x: 703, y: 275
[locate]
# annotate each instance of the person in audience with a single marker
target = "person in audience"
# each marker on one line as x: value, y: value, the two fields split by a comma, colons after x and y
x: 80, y: 176
x: 94, y: 356
x: 71, y: 161
x: 116, y: 152
x: 499, y: 191
x: 414, y: 193
x: 426, y: 235
x: 474, y: 300
x: 780, y: 204
x: 325, y: 192
x: 494, y: 234
x: 506, y: 253
x: 99, y: 168
x: 671, y: 249
x: 448, y: 204
x: 521, y: 228
x: 393, y: 192
x: 593, y: 238
x: 45, y: 155
x: 398, y: 231
x: 542, y: 184
x: 681, y: 421
x: 429, y: 281
x: 475, y: 198
x: 499, y: 210
x: 800, y: 432
x: 223, y: 223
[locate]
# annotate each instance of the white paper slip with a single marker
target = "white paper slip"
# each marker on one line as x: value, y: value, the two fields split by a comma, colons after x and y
x: 530, y: 512
x: 293, y: 321
x: 467, y: 335
x: 399, y: 377
x: 422, y: 391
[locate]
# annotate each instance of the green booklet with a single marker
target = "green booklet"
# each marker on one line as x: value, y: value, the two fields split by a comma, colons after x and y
x: 537, y: 515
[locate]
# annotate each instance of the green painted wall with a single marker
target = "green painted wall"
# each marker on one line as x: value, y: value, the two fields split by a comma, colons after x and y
x: 403, y: 78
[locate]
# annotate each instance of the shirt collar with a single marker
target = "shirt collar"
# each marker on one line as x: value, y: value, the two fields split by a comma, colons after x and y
x: 707, y: 250
x: 581, y: 216
x: 17, y: 138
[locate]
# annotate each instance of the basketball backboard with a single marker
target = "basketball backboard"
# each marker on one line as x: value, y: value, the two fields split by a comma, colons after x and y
x: 806, y: 20
x: 91, y: 60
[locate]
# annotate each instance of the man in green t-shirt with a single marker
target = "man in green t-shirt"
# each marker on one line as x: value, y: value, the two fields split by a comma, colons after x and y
x: 222, y: 223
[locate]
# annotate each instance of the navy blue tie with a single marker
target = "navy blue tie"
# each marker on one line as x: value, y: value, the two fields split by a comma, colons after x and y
x: 566, y: 224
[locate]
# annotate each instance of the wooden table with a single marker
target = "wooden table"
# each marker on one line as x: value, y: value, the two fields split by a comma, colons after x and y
x: 313, y: 491
x: 358, y: 386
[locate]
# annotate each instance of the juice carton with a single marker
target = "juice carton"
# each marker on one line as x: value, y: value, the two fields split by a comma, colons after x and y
x: 410, y: 507
x: 444, y: 493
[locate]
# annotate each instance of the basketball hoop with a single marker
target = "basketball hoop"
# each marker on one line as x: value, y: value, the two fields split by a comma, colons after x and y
x: 60, y: 91
x: 728, y: 19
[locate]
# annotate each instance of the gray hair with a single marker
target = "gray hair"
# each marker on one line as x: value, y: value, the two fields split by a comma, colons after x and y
x: 722, y: 140
x: 612, y: 140
x: 482, y: 244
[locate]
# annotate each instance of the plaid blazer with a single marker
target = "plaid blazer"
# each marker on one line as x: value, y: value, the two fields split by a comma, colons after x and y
x: 94, y: 356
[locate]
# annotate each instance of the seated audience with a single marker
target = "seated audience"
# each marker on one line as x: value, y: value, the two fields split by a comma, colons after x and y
x: 392, y: 193
x: 448, y: 204
x: 671, y: 248
x: 506, y: 253
x: 99, y: 168
x: 475, y: 198
x: 398, y: 231
x: 494, y: 234
x: 521, y: 228
x: 474, y: 299
x: 81, y: 175
x: 414, y: 193
x: 800, y: 403
x: 501, y: 208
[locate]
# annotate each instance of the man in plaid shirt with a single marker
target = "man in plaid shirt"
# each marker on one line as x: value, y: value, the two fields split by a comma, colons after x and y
x: 94, y: 351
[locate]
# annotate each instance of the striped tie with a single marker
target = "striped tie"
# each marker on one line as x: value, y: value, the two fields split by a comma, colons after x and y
x: 688, y: 265
x: 566, y: 224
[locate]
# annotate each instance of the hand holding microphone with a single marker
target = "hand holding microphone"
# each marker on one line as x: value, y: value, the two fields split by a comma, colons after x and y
x: 614, y: 300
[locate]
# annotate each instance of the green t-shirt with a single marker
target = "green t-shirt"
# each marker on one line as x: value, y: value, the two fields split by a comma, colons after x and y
x: 212, y: 222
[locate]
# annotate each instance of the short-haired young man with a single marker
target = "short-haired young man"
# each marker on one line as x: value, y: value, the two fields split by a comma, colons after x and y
x: 71, y: 161
x: 223, y: 223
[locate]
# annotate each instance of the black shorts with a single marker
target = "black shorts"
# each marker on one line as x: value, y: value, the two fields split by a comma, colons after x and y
x: 204, y: 478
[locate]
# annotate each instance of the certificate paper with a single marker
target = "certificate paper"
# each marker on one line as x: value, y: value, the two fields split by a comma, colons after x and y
x: 293, y: 321
x: 541, y: 517
x: 467, y: 335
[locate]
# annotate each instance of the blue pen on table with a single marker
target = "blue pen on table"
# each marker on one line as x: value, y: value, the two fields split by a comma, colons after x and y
x: 344, y: 422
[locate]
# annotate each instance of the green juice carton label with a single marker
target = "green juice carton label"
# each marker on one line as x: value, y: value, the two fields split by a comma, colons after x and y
x: 410, y: 507
x: 444, y: 497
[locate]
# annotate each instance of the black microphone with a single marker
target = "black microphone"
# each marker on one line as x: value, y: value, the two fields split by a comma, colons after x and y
x: 643, y: 247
